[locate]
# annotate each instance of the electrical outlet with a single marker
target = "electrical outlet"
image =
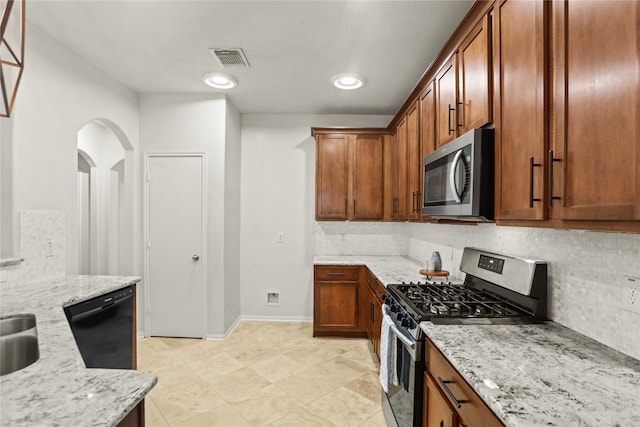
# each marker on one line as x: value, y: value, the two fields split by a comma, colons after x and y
x: 48, y: 248
x: 280, y: 237
x: 631, y: 295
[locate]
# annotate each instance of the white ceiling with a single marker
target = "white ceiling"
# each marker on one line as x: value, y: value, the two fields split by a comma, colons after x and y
x: 294, y: 47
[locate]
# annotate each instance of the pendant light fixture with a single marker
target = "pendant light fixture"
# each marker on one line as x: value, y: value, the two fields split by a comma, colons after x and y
x: 11, y: 52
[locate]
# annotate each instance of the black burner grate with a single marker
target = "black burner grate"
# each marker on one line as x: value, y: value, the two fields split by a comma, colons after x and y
x: 425, y: 301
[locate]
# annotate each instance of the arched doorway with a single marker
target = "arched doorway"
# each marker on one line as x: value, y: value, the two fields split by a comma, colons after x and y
x: 85, y: 164
x: 104, y: 208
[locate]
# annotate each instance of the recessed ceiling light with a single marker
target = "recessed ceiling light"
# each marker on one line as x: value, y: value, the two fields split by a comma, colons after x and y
x: 219, y: 81
x: 348, y: 81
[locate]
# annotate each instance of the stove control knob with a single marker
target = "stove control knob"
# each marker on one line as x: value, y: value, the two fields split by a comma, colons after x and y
x: 406, y: 322
x: 395, y: 308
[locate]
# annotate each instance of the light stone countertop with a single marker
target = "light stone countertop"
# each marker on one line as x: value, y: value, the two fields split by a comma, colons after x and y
x: 388, y: 269
x: 546, y: 374
x: 529, y: 375
x: 58, y: 390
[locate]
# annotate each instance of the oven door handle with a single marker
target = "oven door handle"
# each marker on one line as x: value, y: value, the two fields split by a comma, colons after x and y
x: 402, y: 337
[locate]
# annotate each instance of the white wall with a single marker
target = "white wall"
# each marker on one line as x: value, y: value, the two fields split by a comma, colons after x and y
x: 232, y: 208
x: 196, y: 123
x: 278, y: 195
x: 59, y: 93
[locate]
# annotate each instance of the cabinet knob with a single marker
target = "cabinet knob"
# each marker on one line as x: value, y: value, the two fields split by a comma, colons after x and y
x: 195, y: 258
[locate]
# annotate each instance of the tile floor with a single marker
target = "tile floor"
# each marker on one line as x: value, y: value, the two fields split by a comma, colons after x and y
x: 263, y: 374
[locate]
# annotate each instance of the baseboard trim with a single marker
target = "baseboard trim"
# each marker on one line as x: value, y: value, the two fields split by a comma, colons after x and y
x: 222, y: 337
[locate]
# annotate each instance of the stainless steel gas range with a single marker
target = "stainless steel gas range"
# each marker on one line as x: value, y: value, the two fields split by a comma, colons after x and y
x: 497, y: 289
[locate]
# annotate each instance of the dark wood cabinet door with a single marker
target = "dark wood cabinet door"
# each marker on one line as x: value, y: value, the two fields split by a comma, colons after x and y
x: 367, y: 177
x: 446, y: 103
x: 519, y: 102
x: 338, y: 307
x: 399, y: 172
x: 427, y: 122
x: 596, y: 52
x: 437, y: 412
x: 332, y: 177
x: 135, y: 418
x: 337, y: 301
x: 474, y: 78
x: 427, y: 131
x: 414, y: 163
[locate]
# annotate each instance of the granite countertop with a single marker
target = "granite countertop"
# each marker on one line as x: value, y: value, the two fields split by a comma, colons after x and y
x: 388, y: 269
x: 58, y: 390
x: 529, y: 375
x: 545, y: 374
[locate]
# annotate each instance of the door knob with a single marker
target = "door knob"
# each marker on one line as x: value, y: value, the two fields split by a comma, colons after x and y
x: 195, y: 257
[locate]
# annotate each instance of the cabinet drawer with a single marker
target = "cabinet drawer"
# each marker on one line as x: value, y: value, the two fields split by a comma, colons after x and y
x: 337, y: 273
x: 376, y: 286
x: 472, y: 408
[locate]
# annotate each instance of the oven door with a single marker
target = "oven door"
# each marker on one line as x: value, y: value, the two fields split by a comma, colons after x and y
x: 402, y: 406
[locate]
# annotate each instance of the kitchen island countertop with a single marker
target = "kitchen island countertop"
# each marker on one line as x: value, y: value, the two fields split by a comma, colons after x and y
x: 543, y: 374
x: 58, y: 390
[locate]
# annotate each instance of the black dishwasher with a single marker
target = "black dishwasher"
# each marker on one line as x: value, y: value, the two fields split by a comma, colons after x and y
x: 103, y: 329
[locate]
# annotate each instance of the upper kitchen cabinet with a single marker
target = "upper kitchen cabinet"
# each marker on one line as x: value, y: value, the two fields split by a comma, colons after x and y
x: 474, y: 77
x: 595, y: 158
x: 427, y: 122
x: 427, y: 132
x: 414, y: 163
x: 519, y: 104
x: 397, y: 167
x: 349, y: 174
x: 404, y: 167
x: 446, y: 102
x: 332, y: 176
x: 463, y: 86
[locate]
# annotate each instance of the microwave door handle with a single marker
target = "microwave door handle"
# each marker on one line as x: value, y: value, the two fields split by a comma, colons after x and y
x: 452, y: 176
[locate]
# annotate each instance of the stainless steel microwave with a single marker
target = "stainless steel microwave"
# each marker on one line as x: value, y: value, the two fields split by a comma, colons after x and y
x: 458, y: 178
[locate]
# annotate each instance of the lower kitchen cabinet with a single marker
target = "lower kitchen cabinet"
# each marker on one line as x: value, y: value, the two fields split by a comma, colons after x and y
x: 373, y: 307
x: 135, y: 418
x: 445, y: 386
x: 437, y: 412
x: 336, y: 301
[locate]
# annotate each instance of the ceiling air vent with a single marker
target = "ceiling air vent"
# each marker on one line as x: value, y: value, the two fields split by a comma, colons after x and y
x: 230, y: 57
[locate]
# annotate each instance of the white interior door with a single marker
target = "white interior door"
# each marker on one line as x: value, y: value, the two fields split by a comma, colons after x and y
x: 175, y: 236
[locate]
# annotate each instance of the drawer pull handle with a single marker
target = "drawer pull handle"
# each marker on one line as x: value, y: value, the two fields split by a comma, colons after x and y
x: 444, y: 383
x: 341, y: 273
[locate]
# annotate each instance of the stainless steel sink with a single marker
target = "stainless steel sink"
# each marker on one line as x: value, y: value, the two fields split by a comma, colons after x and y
x: 15, y: 324
x: 18, y: 343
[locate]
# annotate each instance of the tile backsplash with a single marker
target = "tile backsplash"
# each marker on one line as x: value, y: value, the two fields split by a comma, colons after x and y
x: 587, y: 270
x: 42, y: 237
